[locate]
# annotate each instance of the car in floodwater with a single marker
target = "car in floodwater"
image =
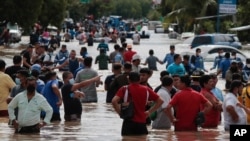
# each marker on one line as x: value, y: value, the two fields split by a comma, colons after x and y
x: 209, y: 52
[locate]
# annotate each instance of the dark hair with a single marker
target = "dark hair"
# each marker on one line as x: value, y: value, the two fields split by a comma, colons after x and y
x: 163, y: 73
x: 88, y: 61
x: 17, y: 59
x: 24, y: 73
x: 167, y: 81
x: 65, y: 74
x: 204, y: 80
x: 124, y: 45
x: 235, y: 84
x: 227, y: 55
x: 49, y: 75
x: 127, y: 66
x: 64, y: 46
x: 121, y: 49
x: 176, y: 56
x: 146, y: 70
x: 35, y: 73
x: 134, y: 76
x: 2, y: 64
x: 186, y: 57
x: 233, y: 53
x: 247, y: 60
x: 172, y: 47
x: 186, y: 80
x: 117, y: 66
x: 236, y: 76
x: 198, y: 49
x: 213, y: 75
x: 151, y: 52
x: 102, y: 51
x: 175, y: 75
x: 116, y: 46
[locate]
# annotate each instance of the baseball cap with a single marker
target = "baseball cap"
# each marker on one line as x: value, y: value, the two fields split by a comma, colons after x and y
x: 135, y: 57
x: 36, y: 67
x: 197, y: 73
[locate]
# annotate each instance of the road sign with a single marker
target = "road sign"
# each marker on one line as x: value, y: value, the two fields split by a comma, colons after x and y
x: 84, y: 1
x: 227, y: 6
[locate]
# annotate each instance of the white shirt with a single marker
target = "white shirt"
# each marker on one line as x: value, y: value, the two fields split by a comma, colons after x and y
x: 29, y: 111
x: 231, y: 99
x: 164, y: 94
x: 136, y: 38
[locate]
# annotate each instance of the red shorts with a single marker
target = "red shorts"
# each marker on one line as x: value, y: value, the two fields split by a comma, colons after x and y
x: 4, y: 113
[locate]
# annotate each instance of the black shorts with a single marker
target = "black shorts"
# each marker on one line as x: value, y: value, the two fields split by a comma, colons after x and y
x: 133, y: 128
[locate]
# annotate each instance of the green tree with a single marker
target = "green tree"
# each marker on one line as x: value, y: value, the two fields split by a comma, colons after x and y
x: 185, y: 12
x: 23, y: 12
x: 52, y: 12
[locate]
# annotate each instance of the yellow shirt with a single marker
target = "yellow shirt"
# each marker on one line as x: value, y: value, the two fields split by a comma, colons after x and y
x: 246, y: 99
x: 6, y: 84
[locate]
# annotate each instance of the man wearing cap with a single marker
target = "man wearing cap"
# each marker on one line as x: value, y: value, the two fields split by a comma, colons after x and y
x: 6, y: 84
x: 169, y: 58
x: 195, y: 85
x: 136, y: 60
x: 30, y: 104
x: 129, y: 54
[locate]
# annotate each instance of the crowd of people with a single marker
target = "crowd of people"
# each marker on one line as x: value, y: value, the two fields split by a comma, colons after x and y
x: 187, y: 97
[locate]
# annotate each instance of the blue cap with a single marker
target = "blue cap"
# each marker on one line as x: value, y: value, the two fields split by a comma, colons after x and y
x: 36, y: 67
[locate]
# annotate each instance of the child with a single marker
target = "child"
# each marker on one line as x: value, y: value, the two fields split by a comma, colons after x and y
x: 151, y: 61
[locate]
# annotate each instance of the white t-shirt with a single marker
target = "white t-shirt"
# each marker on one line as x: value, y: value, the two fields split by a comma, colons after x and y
x: 136, y: 38
x: 164, y: 94
x: 162, y: 121
x: 231, y: 99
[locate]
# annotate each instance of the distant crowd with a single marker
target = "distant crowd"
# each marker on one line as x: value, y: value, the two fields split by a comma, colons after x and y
x: 186, y: 97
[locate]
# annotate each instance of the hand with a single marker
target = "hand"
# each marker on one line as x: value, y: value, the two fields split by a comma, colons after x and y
x: 40, y: 125
x: 15, y: 124
x: 240, y: 105
x: 147, y: 113
x: 59, y: 103
x: 78, y: 94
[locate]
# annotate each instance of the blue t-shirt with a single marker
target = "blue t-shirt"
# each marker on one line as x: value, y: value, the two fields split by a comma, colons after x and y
x: 169, y: 58
x: 198, y: 62
x: 176, y: 69
x: 50, y: 95
x: 217, y: 61
x: 224, y: 66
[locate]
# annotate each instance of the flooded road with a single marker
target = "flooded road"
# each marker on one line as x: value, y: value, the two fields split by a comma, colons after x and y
x: 99, y: 121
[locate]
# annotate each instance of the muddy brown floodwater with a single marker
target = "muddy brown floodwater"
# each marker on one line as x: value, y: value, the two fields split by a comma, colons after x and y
x: 99, y: 122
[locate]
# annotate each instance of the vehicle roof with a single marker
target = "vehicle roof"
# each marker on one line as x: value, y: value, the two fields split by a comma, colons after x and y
x: 214, y: 34
x: 209, y: 47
